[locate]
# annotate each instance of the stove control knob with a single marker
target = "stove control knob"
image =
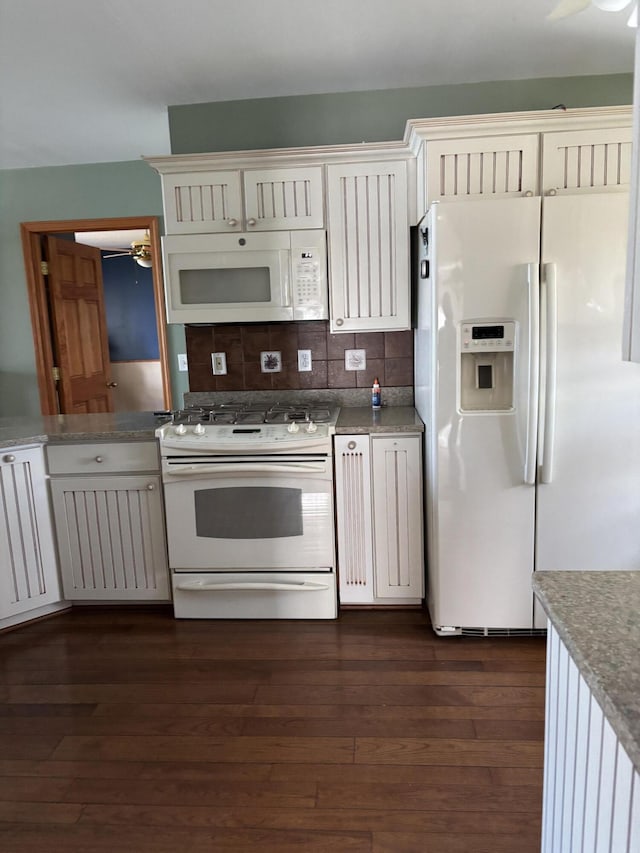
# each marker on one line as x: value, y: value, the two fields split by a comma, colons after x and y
x: 181, y: 429
x: 199, y: 429
x: 311, y: 427
x: 293, y: 427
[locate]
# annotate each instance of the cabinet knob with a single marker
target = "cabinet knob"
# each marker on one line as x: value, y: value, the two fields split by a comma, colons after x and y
x: 352, y: 445
x: 112, y: 384
x: 251, y: 222
x: 552, y: 192
x: 339, y: 322
x: 9, y: 458
x: 528, y: 194
x: 99, y: 459
x: 232, y: 223
x: 150, y: 487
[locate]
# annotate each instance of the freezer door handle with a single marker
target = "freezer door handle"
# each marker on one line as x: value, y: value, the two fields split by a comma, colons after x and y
x: 551, y: 353
x: 533, y: 282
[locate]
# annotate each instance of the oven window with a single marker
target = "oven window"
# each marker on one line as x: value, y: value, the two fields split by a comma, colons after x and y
x: 224, y: 286
x: 248, y: 512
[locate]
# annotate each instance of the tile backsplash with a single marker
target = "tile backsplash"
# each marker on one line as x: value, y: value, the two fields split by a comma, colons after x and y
x: 389, y: 356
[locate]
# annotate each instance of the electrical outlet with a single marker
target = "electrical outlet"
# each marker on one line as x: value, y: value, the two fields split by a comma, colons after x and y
x: 304, y: 360
x: 219, y: 363
x: 182, y: 362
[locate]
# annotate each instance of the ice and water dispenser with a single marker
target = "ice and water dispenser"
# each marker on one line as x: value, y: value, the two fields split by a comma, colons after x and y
x: 486, y: 366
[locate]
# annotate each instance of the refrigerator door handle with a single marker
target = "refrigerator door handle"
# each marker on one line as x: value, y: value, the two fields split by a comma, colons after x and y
x: 533, y: 279
x: 551, y: 352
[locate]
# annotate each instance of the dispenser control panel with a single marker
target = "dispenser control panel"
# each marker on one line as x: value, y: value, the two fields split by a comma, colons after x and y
x: 487, y: 337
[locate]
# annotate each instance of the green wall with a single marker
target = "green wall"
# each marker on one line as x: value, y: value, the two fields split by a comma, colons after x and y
x: 375, y: 116
x: 106, y: 190
x: 95, y: 191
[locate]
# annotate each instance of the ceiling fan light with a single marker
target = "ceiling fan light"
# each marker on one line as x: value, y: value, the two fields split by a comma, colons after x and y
x: 611, y: 5
x: 143, y: 262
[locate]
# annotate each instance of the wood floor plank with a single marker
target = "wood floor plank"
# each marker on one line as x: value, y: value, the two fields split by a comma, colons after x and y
x: 436, y: 751
x: 324, y: 711
x: 233, y: 749
x: 427, y: 842
x: 395, y: 726
x: 318, y: 819
x: 123, y: 730
x: 402, y: 695
x: 39, y: 812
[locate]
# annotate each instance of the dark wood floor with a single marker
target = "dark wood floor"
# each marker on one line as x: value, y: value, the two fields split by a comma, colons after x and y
x: 124, y: 730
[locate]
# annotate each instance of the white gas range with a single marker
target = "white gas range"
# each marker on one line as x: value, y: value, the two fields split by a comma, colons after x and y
x: 249, y: 505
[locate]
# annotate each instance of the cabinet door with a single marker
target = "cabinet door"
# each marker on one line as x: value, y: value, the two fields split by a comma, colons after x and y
x: 368, y: 231
x: 490, y: 167
x: 202, y: 202
x: 281, y: 199
x: 398, y: 518
x: 354, y: 519
x: 586, y: 161
x: 111, y: 538
x: 28, y: 570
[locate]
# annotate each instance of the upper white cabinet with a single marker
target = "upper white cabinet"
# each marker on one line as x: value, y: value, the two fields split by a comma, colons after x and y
x: 28, y: 570
x: 589, y: 160
x: 489, y: 166
x: 516, y: 154
x: 278, y: 199
x: 368, y: 233
x: 212, y: 201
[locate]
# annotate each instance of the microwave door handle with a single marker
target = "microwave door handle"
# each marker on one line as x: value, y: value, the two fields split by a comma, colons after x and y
x: 268, y: 468
x: 286, y: 262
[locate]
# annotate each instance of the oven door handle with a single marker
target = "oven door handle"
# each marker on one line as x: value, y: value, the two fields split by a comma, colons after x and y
x: 276, y: 586
x: 247, y: 470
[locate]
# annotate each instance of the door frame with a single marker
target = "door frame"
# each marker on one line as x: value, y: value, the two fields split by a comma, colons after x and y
x: 31, y: 233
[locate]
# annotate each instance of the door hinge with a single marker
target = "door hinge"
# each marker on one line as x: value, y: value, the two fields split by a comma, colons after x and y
x: 56, y: 374
x: 44, y: 267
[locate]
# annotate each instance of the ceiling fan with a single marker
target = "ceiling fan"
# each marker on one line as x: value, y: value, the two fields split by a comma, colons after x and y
x: 572, y: 7
x: 139, y: 250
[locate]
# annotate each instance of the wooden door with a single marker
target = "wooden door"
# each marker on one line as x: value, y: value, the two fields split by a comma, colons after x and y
x: 79, y: 327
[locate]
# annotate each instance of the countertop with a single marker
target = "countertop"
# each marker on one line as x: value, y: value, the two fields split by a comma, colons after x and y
x: 127, y: 426
x: 597, y: 615
x: 364, y: 420
x: 138, y: 426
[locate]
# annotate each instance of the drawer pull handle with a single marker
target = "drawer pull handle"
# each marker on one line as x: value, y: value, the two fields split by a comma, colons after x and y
x: 9, y: 458
x: 99, y: 459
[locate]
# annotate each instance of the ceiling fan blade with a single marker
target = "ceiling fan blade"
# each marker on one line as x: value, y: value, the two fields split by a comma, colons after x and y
x: 568, y: 7
x: 122, y: 254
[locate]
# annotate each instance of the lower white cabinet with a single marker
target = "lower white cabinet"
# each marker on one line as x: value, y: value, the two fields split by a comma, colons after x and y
x: 379, y: 519
x: 110, y: 527
x: 591, y: 798
x: 29, y: 581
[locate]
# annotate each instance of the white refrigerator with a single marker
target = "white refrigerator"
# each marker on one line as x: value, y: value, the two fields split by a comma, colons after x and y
x: 532, y: 458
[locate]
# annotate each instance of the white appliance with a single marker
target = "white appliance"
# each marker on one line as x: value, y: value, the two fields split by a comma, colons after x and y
x: 246, y: 278
x: 249, y: 505
x: 532, y: 419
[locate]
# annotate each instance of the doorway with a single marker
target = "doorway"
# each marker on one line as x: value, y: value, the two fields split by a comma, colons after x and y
x: 42, y: 321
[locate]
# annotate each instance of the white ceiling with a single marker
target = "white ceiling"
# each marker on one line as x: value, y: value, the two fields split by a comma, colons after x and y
x: 85, y: 81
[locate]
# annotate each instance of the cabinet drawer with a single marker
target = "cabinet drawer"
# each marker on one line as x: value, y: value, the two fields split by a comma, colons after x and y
x: 102, y: 458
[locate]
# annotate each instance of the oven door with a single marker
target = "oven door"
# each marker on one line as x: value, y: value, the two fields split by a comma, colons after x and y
x: 249, y: 513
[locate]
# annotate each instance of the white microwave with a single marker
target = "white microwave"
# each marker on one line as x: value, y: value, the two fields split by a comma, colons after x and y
x: 246, y: 278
